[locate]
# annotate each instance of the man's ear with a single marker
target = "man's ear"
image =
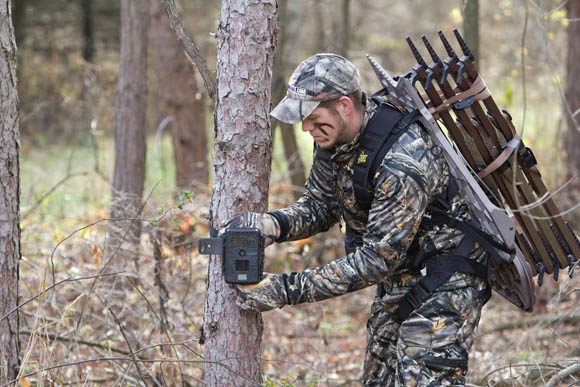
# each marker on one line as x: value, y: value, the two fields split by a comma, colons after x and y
x: 346, y: 105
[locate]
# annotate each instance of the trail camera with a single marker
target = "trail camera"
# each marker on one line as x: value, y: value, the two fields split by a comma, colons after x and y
x: 243, y: 254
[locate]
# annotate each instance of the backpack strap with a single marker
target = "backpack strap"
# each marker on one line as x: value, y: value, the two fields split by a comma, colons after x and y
x: 383, y: 130
x: 439, y: 270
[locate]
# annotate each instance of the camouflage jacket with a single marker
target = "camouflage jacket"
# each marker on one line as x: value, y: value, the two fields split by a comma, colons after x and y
x: 393, y: 222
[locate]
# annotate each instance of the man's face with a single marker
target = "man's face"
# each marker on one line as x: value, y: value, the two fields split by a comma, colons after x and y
x: 327, y: 127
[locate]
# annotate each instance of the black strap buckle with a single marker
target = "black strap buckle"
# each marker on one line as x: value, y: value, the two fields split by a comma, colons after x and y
x: 417, y: 295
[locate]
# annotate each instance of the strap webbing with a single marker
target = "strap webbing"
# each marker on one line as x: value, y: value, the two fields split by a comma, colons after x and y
x: 439, y: 270
x: 484, y: 239
x: 385, y: 127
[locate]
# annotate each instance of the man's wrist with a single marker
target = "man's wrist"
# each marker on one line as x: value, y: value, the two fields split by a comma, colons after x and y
x: 282, y: 223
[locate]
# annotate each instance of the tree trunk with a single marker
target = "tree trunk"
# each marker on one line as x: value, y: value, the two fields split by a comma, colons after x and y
x: 345, y: 38
x: 130, y: 131
x: 242, y: 155
x: 295, y: 165
x: 471, y: 27
x: 181, y: 100
x: 572, y: 137
x: 88, y: 30
x: 319, y: 26
x: 9, y: 198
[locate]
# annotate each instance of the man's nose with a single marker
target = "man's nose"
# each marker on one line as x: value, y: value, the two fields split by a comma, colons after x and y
x: 307, y: 127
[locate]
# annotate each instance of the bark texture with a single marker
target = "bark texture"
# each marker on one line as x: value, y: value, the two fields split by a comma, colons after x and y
x: 279, y: 84
x: 572, y: 137
x: 242, y: 155
x: 9, y: 198
x: 130, y: 131
x: 181, y: 101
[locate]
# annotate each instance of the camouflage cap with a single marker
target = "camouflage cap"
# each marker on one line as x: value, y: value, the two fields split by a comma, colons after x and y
x: 321, y: 77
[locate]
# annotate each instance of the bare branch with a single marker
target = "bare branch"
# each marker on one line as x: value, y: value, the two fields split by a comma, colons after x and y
x: 75, y: 340
x: 50, y: 191
x: 54, y: 286
x: 190, y: 47
x: 132, y: 354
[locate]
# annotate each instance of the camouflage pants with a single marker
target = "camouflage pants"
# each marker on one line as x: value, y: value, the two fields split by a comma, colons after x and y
x: 431, y: 347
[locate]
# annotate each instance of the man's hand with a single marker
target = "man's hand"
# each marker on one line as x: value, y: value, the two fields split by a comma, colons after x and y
x: 267, y: 224
x: 268, y: 294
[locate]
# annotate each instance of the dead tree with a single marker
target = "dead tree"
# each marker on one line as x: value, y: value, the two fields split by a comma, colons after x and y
x: 242, y: 155
x: 9, y: 199
x: 130, y: 132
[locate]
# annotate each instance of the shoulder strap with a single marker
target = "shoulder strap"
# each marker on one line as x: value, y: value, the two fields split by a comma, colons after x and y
x: 384, y: 128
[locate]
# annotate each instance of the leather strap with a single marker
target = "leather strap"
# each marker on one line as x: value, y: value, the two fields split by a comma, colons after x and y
x: 509, y: 149
x: 478, y: 90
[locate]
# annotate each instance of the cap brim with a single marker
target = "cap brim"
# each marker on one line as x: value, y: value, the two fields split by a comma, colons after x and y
x: 292, y: 111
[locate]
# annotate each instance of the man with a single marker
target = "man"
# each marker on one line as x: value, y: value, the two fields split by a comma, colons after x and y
x: 424, y: 316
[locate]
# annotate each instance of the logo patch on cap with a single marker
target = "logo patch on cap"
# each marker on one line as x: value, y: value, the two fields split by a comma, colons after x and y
x: 296, y: 92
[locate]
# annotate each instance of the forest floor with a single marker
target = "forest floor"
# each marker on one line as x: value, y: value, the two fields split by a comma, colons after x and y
x: 93, y: 321
x: 85, y: 327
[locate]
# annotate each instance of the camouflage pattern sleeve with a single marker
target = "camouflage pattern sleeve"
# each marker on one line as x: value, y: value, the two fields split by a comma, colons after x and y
x: 317, y: 210
x: 411, y: 173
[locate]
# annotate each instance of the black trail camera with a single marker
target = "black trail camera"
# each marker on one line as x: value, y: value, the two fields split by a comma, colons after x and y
x: 243, y: 254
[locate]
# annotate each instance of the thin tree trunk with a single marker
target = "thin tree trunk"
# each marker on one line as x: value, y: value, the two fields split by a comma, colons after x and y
x: 345, y: 38
x: 181, y: 100
x: 319, y: 25
x: 471, y: 26
x: 295, y: 165
x: 9, y: 198
x: 572, y: 137
x: 88, y: 30
x: 242, y: 155
x: 130, y: 131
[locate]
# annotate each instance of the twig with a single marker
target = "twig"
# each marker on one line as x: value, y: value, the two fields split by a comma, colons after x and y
x: 543, y: 365
x: 50, y: 191
x: 159, y: 319
x: 113, y: 359
x: 104, y: 266
x: 158, y: 276
x: 563, y: 374
x: 190, y: 47
x: 75, y: 340
x: 132, y: 354
x: 87, y: 382
x: 54, y: 286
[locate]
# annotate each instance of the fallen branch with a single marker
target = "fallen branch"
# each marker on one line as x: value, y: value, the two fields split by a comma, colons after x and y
x: 560, y: 376
x: 538, y: 320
